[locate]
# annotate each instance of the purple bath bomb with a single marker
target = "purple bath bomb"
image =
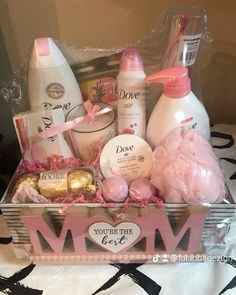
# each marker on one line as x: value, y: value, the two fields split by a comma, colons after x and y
x: 114, y: 189
x: 141, y: 189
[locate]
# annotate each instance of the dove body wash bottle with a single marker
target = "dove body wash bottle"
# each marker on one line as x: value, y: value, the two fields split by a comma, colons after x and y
x: 51, y: 82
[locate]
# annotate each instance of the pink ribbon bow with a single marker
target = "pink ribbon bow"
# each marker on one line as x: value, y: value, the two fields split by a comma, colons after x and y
x: 92, y: 111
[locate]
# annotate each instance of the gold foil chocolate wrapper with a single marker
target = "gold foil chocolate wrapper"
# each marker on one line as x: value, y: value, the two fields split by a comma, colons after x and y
x: 29, y: 179
x: 79, y: 180
x: 53, y: 183
x: 90, y: 189
x: 59, y: 183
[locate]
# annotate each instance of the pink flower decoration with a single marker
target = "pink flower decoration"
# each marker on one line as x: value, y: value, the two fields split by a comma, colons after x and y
x: 127, y: 131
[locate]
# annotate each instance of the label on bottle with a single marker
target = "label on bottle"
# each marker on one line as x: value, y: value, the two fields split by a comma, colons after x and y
x: 132, y: 109
x: 99, y: 90
x: 55, y: 90
x: 188, y: 49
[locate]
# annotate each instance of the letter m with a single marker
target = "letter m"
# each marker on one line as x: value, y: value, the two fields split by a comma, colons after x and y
x: 36, y: 224
x: 192, y: 222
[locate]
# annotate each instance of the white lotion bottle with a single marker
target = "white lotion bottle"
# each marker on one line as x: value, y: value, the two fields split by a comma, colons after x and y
x: 176, y: 107
x: 131, y: 94
x: 51, y: 82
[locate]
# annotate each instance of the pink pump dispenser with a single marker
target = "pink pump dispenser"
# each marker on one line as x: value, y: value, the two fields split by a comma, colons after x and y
x: 177, y: 106
x: 175, y: 80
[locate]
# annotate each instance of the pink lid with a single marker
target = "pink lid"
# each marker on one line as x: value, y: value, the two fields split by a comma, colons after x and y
x: 175, y: 80
x: 42, y: 46
x: 131, y: 60
x: 46, y: 54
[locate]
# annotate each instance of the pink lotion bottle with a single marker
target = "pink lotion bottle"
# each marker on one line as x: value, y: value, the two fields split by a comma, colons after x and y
x: 131, y: 94
x: 176, y: 107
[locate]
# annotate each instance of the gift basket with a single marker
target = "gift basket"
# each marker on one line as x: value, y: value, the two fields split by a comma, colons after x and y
x: 115, y: 168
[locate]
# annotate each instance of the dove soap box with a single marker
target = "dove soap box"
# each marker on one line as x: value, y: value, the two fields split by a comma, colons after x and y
x: 30, y: 123
x: 128, y: 156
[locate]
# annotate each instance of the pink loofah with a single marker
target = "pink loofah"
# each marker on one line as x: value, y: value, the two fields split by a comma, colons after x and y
x: 186, y: 170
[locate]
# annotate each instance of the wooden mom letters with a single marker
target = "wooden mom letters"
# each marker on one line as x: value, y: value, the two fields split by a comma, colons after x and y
x: 94, y: 230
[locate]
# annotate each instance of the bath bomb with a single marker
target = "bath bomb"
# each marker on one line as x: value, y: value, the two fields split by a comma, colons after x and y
x: 114, y: 189
x: 141, y: 189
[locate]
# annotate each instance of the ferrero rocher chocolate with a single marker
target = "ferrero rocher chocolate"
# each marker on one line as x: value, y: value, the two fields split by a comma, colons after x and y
x: 56, y: 183
x: 30, y: 179
x: 79, y: 179
x: 53, y: 183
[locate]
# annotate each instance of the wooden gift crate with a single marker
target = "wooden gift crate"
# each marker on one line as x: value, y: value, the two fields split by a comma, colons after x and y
x: 94, y: 233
